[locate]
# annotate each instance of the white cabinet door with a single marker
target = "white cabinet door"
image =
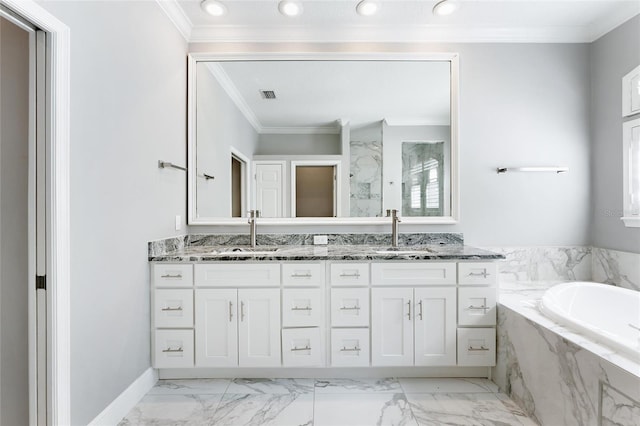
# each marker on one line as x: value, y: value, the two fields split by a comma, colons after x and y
x: 269, y: 184
x: 216, y: 328
x: 435, y: 326
x: 392, y: 326
x: 259, y: 327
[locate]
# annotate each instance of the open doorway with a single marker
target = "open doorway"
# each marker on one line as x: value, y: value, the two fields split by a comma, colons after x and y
x: 42, y: 179
x: 239, y: 184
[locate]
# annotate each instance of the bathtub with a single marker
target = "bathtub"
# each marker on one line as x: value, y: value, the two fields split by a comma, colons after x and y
x: 605, y: 313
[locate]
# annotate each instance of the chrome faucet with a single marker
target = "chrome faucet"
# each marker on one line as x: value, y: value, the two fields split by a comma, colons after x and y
x: 253, y: 226
x: 395, y: 220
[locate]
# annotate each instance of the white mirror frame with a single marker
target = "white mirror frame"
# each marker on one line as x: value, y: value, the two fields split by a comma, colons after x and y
x: 194, y: 58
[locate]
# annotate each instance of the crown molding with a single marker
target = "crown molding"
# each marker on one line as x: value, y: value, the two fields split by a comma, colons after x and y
x: 418, y: 122
x: 392, y: 34
x: 227, y: 85
x: 389, y: 34
x: 316, y: 130
x: 176, y: 15
x: 619, y: 17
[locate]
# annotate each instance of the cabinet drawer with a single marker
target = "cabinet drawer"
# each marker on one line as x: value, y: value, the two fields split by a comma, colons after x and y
x: 173, y: 348
x: 302, y: 307
x: 477, y: 273
x: 301, y: 347
x: 349, y: 274
x: 477, y: 306
x: 477, y: 347
x: 303, y: 274
x: 173, y: 308
x: 350, y: 347
x: 413, y: 274
x: 350, y: 307
x: 171, y: 275
x: 237, y: 274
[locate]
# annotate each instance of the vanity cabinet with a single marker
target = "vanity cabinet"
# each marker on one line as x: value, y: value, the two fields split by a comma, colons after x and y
x: 413, y: 326
x: 323, y: 313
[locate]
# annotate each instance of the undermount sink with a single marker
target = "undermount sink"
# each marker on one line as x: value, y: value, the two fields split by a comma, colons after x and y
x: 404, y: 250
x: 248, y: 251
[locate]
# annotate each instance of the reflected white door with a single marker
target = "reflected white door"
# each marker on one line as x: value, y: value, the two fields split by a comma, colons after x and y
x: 391, y: 326
x: 269, y: 189
x: 435, y: 326
x: 259, y: 327
x: 216, y: 328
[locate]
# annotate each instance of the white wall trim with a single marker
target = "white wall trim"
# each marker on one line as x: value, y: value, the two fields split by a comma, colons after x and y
x: 390, y: 34
x: 119, y: 407
x: 58, y: 220
x: 176, y: 15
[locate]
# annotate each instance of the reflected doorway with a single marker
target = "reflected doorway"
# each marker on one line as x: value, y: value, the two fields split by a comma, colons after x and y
x: 315, y: 190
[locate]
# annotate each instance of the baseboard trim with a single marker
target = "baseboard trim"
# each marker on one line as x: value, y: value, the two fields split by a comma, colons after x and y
x: 119, y: 407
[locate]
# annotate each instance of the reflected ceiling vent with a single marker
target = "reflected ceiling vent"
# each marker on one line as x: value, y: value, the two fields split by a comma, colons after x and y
x: 268, y: 94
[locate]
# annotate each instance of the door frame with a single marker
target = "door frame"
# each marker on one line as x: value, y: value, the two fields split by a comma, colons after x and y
x: 58, y: 209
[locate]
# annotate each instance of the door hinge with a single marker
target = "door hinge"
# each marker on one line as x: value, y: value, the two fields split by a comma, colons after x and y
x: 41, y: 282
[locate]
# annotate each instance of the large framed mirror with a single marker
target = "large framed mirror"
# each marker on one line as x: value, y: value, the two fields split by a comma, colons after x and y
x: 322, y: 138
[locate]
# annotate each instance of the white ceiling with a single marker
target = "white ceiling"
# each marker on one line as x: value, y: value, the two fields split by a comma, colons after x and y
x: 316, y: 96
x: 571, y: 21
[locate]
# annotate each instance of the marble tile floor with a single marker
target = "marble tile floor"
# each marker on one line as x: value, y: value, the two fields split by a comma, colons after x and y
x: 326, y: 402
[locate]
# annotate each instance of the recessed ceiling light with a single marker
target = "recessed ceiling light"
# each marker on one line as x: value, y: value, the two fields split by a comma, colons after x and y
x: 213, y: 7
x: 290, y: 7
x: 367, y: 7
x: 445, y: 7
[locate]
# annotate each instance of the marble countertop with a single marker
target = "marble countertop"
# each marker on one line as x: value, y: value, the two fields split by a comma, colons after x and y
x: 330, y: 252
x: 524, y: 298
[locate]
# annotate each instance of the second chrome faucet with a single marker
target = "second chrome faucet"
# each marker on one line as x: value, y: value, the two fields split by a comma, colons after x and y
x: 395, y: 220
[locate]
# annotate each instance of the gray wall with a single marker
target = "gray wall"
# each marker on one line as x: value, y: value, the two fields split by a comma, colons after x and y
x: 521, y: 104
x: 221, y: 126
x: 14, y: 149
x: 273, y: 144
x: 128, y: 109
x: 612, y: 56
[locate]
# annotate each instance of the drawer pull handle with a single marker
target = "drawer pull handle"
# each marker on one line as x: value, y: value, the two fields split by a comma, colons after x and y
x: 296, y: 349
x: 481, y: 348
x: 479, y: 274
x: 230, y: 311
x: 356, y: 275
x: 478, y: 308
x: 301, y: 275
x: 179, y: 308
x: 171, y: 276
x: 345, y: 349
x: 409, y: 305
x: 241, y: 311
x: 350, y: 308
x: 172, y: 350
x: 420, y: 313
x: 307, y: 308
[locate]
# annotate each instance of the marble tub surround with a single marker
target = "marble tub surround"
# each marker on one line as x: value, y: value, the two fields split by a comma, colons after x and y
x: 556, y: 375
x: 527, y: 264
x: 616, y: 267
x: 326, y: 402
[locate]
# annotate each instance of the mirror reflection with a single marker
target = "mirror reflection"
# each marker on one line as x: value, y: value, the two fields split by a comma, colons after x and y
x: 321, y: 138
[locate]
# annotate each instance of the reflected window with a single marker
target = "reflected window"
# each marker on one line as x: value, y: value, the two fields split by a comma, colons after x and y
x: 422, y: 178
